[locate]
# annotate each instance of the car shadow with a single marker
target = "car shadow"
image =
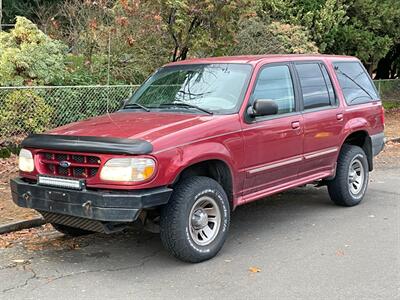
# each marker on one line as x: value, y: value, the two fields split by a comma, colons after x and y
x: 132, y: 248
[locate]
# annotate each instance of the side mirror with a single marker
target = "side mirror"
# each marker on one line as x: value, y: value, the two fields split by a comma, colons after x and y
x: 262, y: 107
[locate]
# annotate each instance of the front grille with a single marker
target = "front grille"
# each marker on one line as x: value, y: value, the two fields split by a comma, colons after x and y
x: 80, y: 166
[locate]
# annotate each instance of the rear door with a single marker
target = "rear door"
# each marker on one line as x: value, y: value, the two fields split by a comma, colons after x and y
x: 273, y: 144
x: 322, y: 116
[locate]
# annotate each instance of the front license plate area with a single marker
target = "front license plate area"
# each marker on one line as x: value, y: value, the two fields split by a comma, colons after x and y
x: 57, y: 196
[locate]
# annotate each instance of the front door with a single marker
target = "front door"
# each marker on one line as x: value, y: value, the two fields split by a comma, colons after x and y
x: 273, y: 144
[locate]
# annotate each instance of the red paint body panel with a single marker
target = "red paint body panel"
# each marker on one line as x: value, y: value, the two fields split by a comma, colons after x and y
x: 263, y: 157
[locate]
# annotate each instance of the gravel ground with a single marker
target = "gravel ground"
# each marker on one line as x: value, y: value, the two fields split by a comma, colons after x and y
x: 295, y: 245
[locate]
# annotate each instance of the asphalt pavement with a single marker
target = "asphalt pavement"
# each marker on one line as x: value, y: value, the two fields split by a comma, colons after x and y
x: 296, y: 245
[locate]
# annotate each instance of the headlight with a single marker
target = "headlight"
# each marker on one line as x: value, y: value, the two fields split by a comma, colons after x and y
x: 26, y: 163
x: 128, y: 169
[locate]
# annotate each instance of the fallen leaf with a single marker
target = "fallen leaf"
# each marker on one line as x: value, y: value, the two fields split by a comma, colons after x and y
x: 254, y: 270
x: 4, y: 244
x: 339, y: 252
x: 19, y: 261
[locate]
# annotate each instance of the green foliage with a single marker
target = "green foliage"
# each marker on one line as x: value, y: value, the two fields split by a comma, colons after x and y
x: 258, y: 37
x: 142, y: 35
x: 139, y: 43
x: 371, y: 31
x: 24, y: 111
x: 34, y: 10
x: 388, y: 105
x: 322, y: 18
x: 130, y: 30
x: 367, y: 29
x: 205, y: 27
x: 29, y: 57
x: 367, y: 46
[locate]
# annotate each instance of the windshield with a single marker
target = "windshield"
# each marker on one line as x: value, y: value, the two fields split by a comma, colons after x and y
x: 212, y: 88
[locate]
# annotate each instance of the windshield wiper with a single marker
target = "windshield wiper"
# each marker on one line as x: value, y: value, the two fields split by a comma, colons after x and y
x: 184, y: 104
x: 355, y: 82
x: 133, y: 105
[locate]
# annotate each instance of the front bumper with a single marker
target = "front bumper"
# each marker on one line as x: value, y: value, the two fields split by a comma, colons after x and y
x: 104, y: 206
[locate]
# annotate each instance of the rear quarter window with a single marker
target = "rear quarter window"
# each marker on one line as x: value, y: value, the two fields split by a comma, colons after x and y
x: 355, y: 83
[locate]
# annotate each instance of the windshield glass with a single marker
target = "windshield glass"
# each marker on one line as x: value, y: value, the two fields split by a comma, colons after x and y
x: 216, y: 88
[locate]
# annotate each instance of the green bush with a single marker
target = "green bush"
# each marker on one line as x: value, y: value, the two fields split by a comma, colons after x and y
x: 24, y: 112
x: 256, y: 36
x: 30, y: 57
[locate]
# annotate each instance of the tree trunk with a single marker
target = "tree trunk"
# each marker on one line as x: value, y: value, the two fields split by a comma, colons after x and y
x: 184, y: 53
x: 370, y: 68
x: 384, y: 67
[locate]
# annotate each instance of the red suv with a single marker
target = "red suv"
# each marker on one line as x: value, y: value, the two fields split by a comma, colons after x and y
x: 201, y: 137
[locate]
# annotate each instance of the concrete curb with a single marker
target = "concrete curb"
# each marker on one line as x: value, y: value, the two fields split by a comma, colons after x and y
x: 15, y: 226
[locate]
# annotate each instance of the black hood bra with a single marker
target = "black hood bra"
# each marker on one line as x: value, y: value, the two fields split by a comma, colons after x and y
x: 91, y: 144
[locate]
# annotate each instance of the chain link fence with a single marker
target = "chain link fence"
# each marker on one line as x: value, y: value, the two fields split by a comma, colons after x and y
x: 26, y: 110
x: 389, y: 89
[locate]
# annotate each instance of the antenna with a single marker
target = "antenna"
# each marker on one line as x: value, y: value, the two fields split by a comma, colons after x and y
x: 108, y: 69
x: 109, y: 57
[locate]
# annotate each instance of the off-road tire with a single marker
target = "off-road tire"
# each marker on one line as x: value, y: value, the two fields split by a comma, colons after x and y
x: 175, y: 224
x: 339, y: 188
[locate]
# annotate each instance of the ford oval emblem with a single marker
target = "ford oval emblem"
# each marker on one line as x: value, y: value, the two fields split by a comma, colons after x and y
x: 64, y: 164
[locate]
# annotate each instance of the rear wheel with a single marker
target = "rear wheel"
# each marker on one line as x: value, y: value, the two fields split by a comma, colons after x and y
x: 71, y: 231
x: 351, y: 181
x: 194, y: 224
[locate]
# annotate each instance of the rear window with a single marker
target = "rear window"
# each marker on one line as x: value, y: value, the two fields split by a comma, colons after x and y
x: 355, y: 82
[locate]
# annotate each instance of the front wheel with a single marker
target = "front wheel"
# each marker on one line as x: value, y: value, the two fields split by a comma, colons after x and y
x: 351, y: 181
x: 194, y: 224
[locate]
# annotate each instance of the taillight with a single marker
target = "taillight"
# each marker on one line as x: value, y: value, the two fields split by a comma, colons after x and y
x: 383, y: 115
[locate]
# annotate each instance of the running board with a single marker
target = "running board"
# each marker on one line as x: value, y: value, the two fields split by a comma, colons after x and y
x: 285, y: 186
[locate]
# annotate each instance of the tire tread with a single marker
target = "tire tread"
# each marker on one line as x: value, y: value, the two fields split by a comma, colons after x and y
x: 172, y: 232
x: 337, y: 188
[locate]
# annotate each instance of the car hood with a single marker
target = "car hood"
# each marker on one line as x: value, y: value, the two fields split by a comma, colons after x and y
x: 134, y: 125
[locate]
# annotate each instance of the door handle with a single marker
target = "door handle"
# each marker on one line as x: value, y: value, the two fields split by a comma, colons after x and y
x: 339, y: 117
x: 295, y: 124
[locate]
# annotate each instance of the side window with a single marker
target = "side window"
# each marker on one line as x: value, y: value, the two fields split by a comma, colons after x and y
x: 356, y: 84
x: 316, y: 85
x: 275, y: 83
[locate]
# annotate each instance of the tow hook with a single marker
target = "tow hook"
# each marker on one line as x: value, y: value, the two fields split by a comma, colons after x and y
x: 87, y: 206
x: 27, y: 196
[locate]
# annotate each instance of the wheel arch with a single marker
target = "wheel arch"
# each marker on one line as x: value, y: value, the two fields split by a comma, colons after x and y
x: 362, y: 139
x: 217, y: 169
